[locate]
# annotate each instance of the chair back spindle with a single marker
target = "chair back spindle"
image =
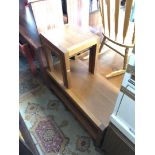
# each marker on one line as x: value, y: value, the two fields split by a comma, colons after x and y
x: 108, y: 15
x: 117, y: 2
x: 127, y: 17
x: 133, y: 37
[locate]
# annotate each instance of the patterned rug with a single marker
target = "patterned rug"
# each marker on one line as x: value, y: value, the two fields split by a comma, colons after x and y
x: 53, y: 129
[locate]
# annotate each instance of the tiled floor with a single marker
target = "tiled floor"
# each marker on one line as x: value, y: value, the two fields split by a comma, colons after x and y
x: 52, y: 127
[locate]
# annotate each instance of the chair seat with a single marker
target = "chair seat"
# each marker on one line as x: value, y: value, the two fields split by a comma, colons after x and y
x: 70, y: 39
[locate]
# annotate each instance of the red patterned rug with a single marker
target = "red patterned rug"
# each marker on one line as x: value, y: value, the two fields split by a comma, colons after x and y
x: 48, y: 136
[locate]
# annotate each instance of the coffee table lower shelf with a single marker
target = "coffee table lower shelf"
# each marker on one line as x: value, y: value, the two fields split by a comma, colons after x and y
x: 91, y: 98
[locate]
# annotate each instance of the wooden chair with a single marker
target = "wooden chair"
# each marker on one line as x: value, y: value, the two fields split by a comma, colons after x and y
x: 65, y: 40
x: 117, y: 29
x: 77, y: 14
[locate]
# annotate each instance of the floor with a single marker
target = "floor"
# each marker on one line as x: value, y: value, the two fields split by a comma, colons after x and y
x: 53, y: 129
x: 108, y: 62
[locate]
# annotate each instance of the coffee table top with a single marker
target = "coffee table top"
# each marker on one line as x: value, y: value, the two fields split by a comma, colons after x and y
x: 70, y: 39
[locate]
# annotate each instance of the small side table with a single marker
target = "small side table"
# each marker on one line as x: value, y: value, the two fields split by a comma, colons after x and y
x: 66, y: 42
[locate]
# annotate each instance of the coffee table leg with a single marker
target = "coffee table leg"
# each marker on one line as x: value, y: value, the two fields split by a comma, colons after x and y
x: 93, y: 57
x: 65, y: 67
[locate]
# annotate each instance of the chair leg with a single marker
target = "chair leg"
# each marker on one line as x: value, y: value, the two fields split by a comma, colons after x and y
x: 65, y: 68
x: 115, y: 73
x: 102, y: 43
x: 100, y: 48
x: 121, y: 71
x: 126, y: 58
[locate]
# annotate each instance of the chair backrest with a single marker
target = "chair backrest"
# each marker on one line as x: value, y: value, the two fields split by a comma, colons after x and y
x: 78, y: 13
x: 116, y: 21
x: 47, y: 14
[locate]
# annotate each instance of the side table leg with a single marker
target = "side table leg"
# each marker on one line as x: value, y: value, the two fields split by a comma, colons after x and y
x: 65, y: 67
x: 93, y: 57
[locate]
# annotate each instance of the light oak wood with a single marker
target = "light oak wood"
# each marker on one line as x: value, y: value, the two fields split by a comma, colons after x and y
x: 49, y: 58
x: 70, y: 38
x: 102, y: 12
x: 115, y: 73
x: 102, y: 43
x: 64, y: 40
x: 108, y: 62
x: 117, y: 2
x: 93, y: 93
x: 65, y: 68
x: 127, y: 17
x: 61, y: 42
x: 108, y: 14
x: 95, y: 132
x: 93, y: 55
x: 120, y: 32
x: 78, y: 13
x: 74, y: 96
x: 95, y: 23
x: 117, y: 21
x: 47, y: 14
x: 133, y: 37
x: 91, y: 98
x: 125, y: 58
